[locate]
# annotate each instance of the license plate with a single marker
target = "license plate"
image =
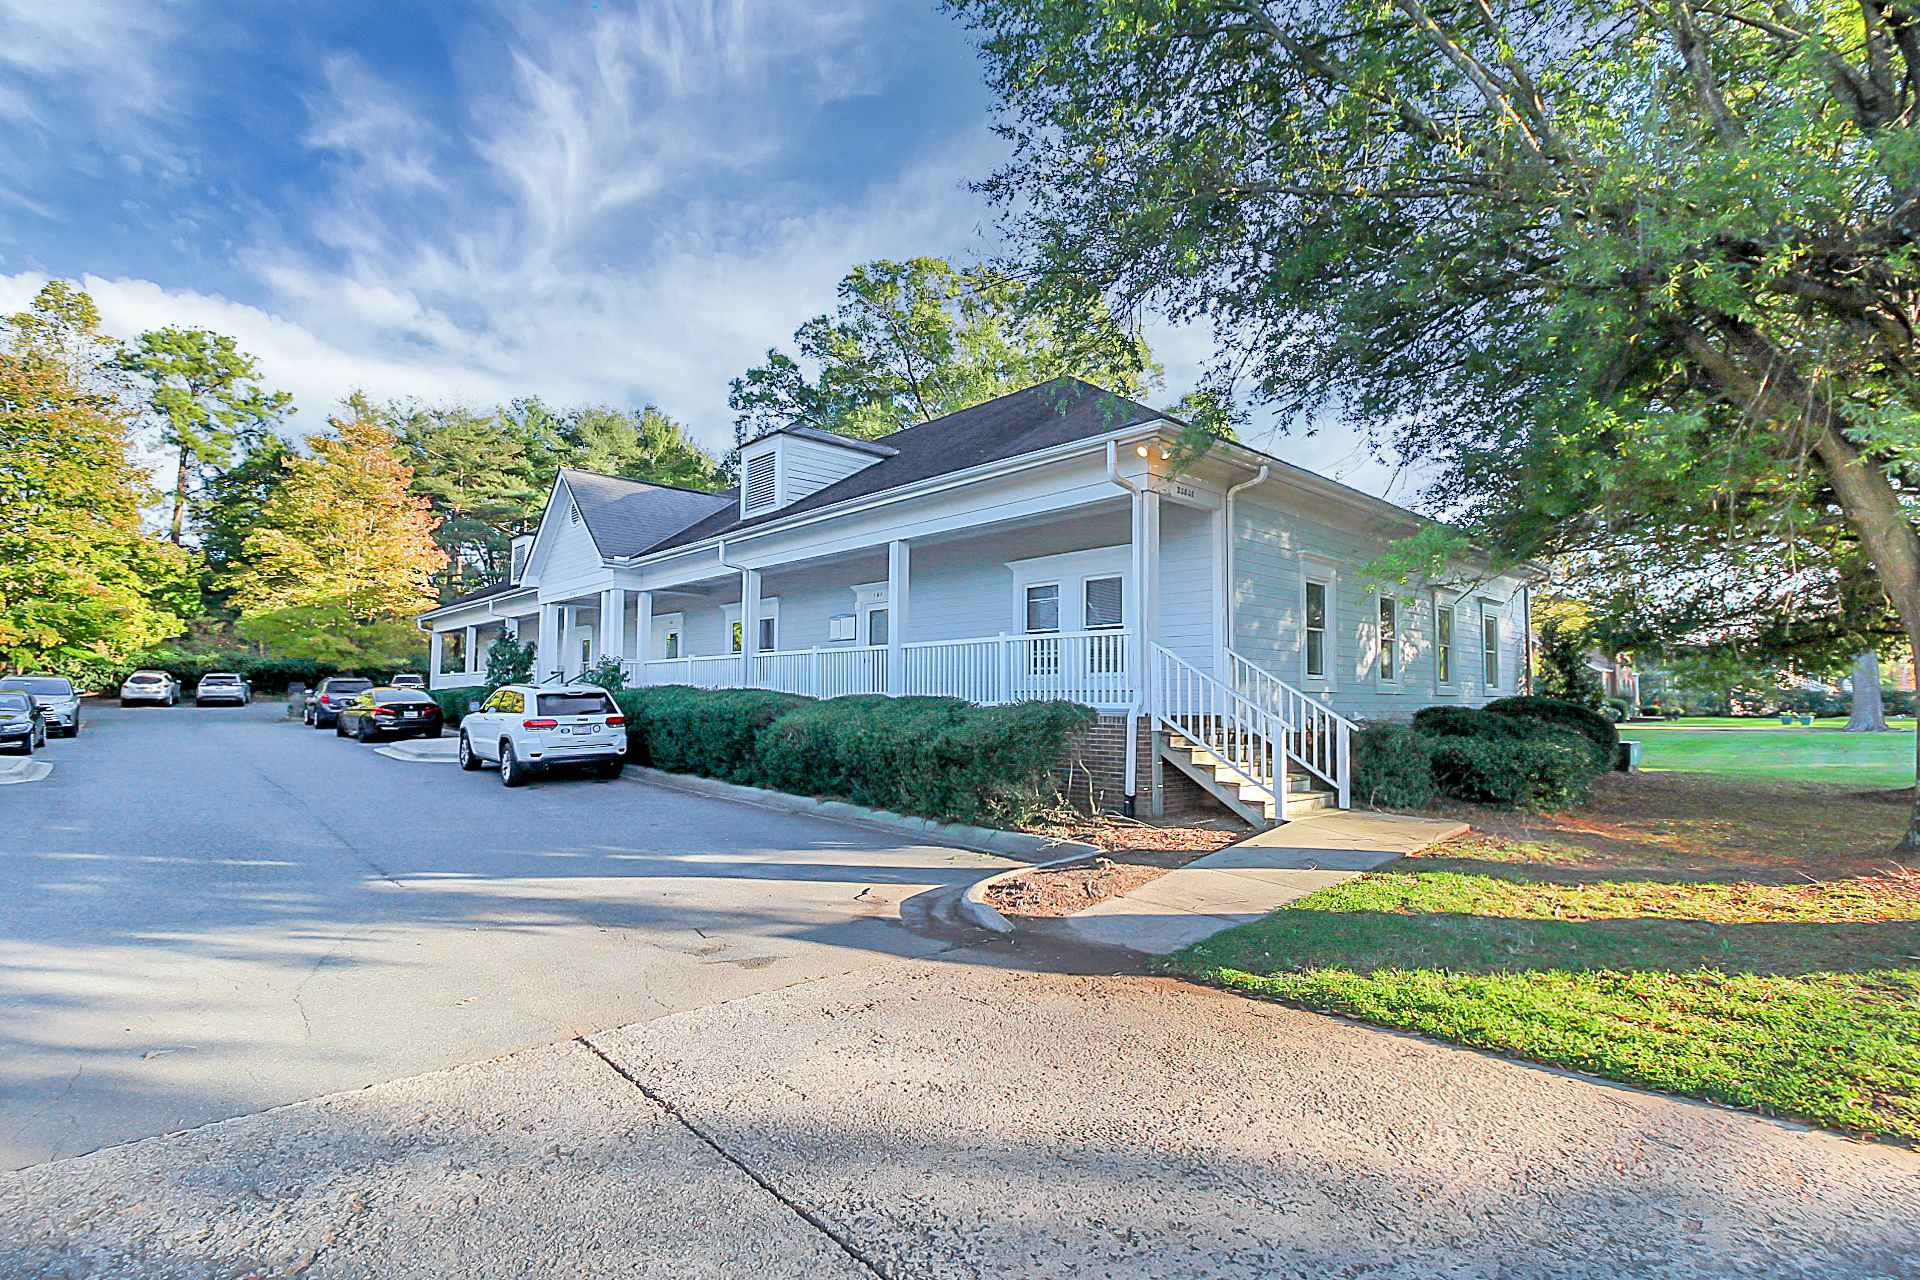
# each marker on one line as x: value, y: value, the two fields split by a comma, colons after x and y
x: 409, y: 715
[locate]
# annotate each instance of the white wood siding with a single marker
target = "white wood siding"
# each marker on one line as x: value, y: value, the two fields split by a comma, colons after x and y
x: 1189, y: 575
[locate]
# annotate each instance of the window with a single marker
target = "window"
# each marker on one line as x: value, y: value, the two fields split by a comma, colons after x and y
x: 576, y: 704
x: 1316, y: 630
x: 673, y: 644
x: 1443, y: 644
x: 735, y: 629
x: 1490, y: 643
x: 768, y: 634
x: 1104, y: 604
x: 762, y: 480
x: 453, y: 651
x: 876, y: 626
x: 1389, y: 637
x: 1043, y: 607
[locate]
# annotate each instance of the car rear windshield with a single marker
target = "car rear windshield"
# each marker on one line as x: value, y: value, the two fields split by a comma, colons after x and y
x: 147, y: 677
x: 390, y: 697
x: 219, y: 677
x: 14, y: 702
x: 576, y: 704
x: 349, y: 686
x: 39, y: 686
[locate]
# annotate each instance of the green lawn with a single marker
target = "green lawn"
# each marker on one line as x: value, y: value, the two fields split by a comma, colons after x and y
x: 1769, y: 749
x: 1795, y: 1000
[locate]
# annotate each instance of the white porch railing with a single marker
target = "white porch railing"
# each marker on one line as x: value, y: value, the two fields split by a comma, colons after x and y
x: 1317, y: 736
x: 1239, y: 732
x: 1091, y: 667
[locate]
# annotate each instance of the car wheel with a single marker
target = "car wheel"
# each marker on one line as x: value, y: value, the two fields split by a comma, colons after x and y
x: 512, y: 772
x: 469, y: 760
x: 433, y: 732
x: 366, y: 732
x: 339, y: 727
x: 610, y: 768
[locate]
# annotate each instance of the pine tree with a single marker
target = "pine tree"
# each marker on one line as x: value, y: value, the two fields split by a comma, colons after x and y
x: 343, y: 556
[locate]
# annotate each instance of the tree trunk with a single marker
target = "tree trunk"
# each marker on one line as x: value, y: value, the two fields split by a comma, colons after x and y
x: 1868, y: 714
x: 179, y: 497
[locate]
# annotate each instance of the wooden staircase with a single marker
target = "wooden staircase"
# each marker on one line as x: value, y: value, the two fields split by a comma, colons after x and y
x: 1252, y: 801
x: 1257, y: 745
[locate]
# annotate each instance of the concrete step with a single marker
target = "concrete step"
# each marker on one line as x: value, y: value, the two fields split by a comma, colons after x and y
x: 1254, y: 802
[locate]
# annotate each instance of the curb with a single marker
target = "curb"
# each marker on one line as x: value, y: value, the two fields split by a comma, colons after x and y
x: 1011, y: 844
x: 24, y: 770
x: 974, y: 904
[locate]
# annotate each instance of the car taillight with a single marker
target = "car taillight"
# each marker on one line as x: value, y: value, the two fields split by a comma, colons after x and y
x: 540, y: 724
x: 386, y: 711
x: 613, y: 720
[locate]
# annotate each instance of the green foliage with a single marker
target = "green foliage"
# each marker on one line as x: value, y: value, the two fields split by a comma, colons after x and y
x: 1599, y: 731
x: 1393, y: 767
x: 1468, y: 722
x: 205, y: 394
x: 711, y: 732
x: 266, y: 673
x: 914, y: 340
x: 1553, y: 769
x: 1430, y: 555
x: 935, y: 757
x: 233, y: 504
x: 80, y: 581
x: 607, y: 673
x: 456, y: 703
x: 1563, y: 672
x: 509, y: 661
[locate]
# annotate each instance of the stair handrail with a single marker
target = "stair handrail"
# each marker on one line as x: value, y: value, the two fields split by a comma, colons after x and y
x: 1319, y: 738
x: 1246, y: 737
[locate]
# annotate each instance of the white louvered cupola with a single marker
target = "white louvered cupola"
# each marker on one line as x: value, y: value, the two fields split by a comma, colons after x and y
x: 785, y: 466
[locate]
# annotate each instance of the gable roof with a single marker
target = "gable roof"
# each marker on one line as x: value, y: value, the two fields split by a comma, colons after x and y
x: 625, y: 517
x: 1040, y: 417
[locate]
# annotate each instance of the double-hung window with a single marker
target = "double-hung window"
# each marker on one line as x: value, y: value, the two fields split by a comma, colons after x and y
x: 877, y: 627
x: 1316, y: 630
x: 1389, y: 638
x: 1490, y: 647
x: 1443, y: 644
x: 1103, y: 604
x: 1043, y: 607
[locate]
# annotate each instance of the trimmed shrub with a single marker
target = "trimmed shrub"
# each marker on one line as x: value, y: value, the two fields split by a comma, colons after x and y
x: 456, y: 703
x: 1469, y: 722
x: 1618, y: 709
x: 711, y: 732
x: 1585, y: 721
x: 1552, y: 769
x: 938, y: 758
x: 1393, y: 766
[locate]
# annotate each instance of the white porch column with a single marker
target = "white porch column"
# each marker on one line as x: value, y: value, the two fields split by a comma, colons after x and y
x: 472, y: 649
x: 569, y: 640
x: 749, y: 624
x: 547, y: 652
x: 1150, y: 568
x: 899, y: 569
x: 435, y: 641
x: 613, y: 624
x: 642, y: 626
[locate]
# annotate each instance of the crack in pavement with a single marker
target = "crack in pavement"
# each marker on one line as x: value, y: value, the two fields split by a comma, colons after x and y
x: 799, y: 1210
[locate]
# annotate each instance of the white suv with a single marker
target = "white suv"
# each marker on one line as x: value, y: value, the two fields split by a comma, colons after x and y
x: 526, y: 727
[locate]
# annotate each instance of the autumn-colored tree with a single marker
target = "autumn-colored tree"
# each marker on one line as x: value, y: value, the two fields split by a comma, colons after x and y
x: 343, y: 556
x: 79, y: 580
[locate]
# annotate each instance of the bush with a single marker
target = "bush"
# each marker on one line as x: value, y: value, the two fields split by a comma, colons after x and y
x: 1393, y: 766
x: 938, y: 758
x: 1552, y: 769
x: 1469, y: 722
x: 1618, y: 709
x: 456, y: 703
x: 1588, y: 723
x: 1816, y: 702
x: 1894, y: 702
x: 711, y: 732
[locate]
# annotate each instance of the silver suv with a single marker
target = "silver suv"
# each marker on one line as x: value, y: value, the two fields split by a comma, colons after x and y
x: 222, y: 686
x: 527, y: 727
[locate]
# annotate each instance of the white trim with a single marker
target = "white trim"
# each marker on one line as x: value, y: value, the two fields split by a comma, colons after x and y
x: 1452, y: 646
x: 1320, y: 571
x: 1381, y: 653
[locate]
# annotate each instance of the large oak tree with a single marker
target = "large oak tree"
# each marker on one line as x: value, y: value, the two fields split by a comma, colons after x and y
x: 1614, y: 268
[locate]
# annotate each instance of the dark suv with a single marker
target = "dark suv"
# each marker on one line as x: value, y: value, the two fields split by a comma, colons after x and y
x: 335, y: 692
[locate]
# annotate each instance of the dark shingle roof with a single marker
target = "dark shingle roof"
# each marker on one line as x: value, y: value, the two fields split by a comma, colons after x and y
x: 1041, y: 417
x: 626, y: 517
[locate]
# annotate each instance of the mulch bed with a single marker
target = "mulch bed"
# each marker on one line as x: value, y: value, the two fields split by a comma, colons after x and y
x: 1136, y: 853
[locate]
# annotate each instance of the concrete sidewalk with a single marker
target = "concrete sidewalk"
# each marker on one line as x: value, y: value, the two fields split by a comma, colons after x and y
x: 1259, y: 875
x: 445, y: 750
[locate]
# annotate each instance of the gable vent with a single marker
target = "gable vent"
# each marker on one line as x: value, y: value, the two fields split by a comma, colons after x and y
x: 575, y: 513
x: 760, y: 486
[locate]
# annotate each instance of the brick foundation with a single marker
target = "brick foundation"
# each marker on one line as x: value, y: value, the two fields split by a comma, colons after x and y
x: 1093, y: 774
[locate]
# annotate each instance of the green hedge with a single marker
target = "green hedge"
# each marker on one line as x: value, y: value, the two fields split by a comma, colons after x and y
x: 935, y: 757
x: 1548, y: 770
x: 1393, y: 766
x: 1600, y: 733
x: 711, y: 732
x: 456, y: 703
x: 1471, y: 722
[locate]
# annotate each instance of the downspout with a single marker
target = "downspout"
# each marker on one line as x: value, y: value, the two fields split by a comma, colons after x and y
x: 1140, y: 631
x: 1233, y: 596
x: 1526, y: 625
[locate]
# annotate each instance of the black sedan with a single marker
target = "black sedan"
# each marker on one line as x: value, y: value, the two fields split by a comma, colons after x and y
x: 389, y: 713
x: 22, y: 727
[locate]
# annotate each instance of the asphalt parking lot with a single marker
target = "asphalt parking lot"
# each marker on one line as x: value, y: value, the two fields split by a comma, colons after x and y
x: 211, y: 912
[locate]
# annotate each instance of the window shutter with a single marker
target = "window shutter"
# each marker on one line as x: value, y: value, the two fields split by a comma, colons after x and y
x: 760, y: 482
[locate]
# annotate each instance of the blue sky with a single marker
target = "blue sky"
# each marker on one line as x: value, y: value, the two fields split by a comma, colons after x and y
x: 613, y: 202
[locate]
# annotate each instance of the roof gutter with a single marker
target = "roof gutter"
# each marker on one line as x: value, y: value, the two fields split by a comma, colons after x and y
x: 1233, y: 596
